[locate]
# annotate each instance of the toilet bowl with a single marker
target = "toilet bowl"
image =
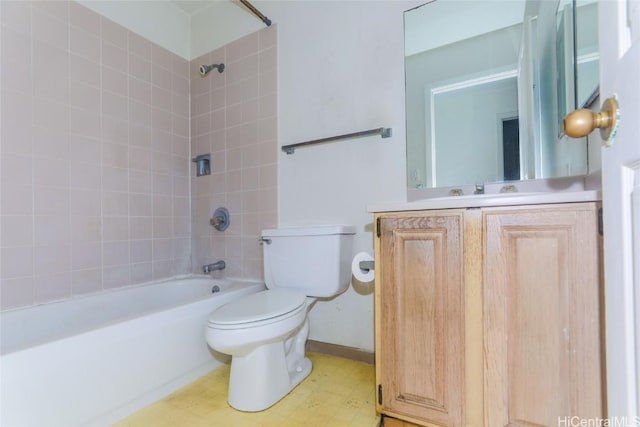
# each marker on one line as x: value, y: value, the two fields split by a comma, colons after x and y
x: 267, y: 346
x: 265, y: 333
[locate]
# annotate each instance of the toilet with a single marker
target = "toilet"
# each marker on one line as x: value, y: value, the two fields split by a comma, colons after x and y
x: 265, y: 333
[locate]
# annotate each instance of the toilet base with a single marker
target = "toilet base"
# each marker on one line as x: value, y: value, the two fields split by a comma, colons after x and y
x: 267, y: 374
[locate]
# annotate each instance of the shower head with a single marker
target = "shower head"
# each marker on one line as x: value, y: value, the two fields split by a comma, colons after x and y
x: 204, y: 69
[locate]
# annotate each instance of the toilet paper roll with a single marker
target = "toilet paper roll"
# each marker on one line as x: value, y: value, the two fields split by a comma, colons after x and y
x: 360, y: 274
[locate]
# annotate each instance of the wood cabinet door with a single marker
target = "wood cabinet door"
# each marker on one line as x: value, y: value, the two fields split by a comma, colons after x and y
x: 542, y: 338
x: 420, y: 318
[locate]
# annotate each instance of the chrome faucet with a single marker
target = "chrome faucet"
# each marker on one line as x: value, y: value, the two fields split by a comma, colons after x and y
x: 479, y: 189
x: 220, y: 265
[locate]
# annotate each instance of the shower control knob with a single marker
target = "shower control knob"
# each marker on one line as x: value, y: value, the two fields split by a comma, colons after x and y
x: 220, y: 219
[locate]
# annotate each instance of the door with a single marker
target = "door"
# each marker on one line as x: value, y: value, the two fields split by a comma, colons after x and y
x: 541, y: 315
x: 420, y: 318
x: 619, y: 34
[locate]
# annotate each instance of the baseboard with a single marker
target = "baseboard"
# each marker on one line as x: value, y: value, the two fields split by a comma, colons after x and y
x: 340, y: 351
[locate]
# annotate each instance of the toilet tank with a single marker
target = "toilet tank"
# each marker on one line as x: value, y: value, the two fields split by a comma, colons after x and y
x: 314, y: 260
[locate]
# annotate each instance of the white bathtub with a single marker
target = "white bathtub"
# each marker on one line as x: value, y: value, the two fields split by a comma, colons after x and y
x: 95, y: 359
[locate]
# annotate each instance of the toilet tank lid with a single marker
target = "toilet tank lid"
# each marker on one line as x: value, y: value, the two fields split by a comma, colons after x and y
x: 318, y: 230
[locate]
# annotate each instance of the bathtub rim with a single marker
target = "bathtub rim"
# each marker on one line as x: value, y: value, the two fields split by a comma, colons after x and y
x: 127, y: 287
x: 3, y: 352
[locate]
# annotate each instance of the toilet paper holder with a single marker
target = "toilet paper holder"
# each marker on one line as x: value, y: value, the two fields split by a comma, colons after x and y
x: 366, y: 266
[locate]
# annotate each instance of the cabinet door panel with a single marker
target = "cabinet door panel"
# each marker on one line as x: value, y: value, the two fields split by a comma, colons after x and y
x: 421, y: 332
x: 541, y: 316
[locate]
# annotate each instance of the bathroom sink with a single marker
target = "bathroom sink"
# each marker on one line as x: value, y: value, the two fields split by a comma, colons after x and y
x: 484, y: 196
x: 486, y: 200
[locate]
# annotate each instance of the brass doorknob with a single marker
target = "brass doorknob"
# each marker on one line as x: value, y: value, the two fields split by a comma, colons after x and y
x: 582, y: 122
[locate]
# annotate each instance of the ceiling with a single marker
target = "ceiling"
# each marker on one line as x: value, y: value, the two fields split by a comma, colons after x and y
x: 191, y: 7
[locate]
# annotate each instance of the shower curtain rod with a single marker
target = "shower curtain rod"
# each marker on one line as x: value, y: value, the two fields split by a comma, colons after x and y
x: 256, y: 12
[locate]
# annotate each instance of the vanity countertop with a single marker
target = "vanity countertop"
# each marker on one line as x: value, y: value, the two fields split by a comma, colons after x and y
x: 485, y: 200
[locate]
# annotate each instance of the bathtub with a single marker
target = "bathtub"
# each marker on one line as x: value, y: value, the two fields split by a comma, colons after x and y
x: 92, y: 360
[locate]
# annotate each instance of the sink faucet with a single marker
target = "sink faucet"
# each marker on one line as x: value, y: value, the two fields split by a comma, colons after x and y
x: 220, y: 265
x: 479, y: 189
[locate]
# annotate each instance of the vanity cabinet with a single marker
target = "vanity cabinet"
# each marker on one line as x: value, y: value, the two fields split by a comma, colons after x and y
x: 420, y: 327
x: 490, y: 316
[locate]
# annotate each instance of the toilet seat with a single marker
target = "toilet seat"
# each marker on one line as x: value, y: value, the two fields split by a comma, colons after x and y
x: 258, y: 309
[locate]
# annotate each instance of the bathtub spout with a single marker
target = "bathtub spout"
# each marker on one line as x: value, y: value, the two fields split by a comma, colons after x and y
x: 220, y: 265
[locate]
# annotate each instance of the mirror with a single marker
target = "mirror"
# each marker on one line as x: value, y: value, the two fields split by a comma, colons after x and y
x: 587, y: 58
x: 486, y: 84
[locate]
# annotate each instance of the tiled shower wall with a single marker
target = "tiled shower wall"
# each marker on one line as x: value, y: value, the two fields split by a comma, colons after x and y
x: 234, y: 117
x: 94, y: 155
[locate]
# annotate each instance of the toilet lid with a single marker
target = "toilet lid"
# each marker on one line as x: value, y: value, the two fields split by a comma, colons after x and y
x: 256, y: 307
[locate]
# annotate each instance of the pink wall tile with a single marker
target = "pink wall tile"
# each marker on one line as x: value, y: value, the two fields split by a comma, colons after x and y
x: 141, y: 272
x: 84, y: 70
x: 115, y: 253
x: 115, y: 228
x: 51, y: 230
x: 180, y: 67
x: 114, y: 57
x: 140, y: 90
x: 115, y: 81
x: 139, y: 182
x: 139, y: 46
x: 113, y: 33
x: 17, y: 261
x: 84, y: 44
x: 161, y: 77
x: 51, y: 287
x: 57, y: 9
x: 162, y: 57
x: 84, y: 202
x: 242, y: 130
x: 139, y: 205
x: 85, y: 97
x: 244, y: 46
x: 140, y: 113
x: 86, y: 255
x: 86, y: 228
x: 81, y: 17
x: 86, y: 281
x: 52, y: 259
x: 51, y: 201
x: 116, y: 276
x: 141, y: 250
x: 141, y: 228
x: 16, y: 67
x: 49, y: 28
x: 16, y: 292
x: 51, y: 114
x: 180, y: 105
x: 16, y: 14
x: 96, y: 160
x: 268, y: 38
x: 16, y: 200
x: 140, y: 68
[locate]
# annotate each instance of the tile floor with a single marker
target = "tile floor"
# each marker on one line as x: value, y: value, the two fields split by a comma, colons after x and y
x: 338, y: 392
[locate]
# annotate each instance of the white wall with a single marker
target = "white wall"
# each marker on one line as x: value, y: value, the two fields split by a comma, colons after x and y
x: 341, y: 70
